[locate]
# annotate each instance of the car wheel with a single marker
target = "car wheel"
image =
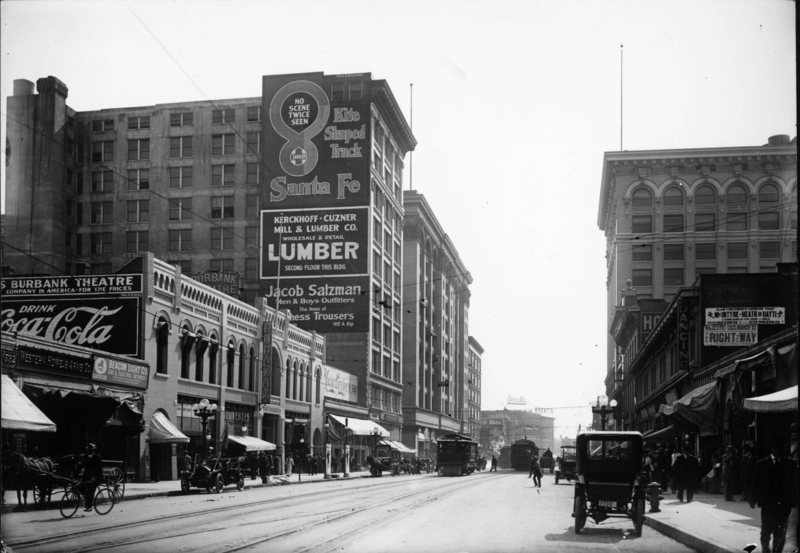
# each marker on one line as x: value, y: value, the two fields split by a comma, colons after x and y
x: 240, y: 483
x: 580, y: 513
x: 220, y: 484
x: 556, y: 478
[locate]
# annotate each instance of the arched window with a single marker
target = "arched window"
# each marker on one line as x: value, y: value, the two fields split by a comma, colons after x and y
x: 642, y: 198
x: 768, y: 194
x: 319, y: 386
x: 309, y: 385
x: 737, y: 207
x: 794, y: 208
x: 276, y: 373
x: 162, y: 343
x: 213, y: 350
x: 242, y: 366
x: 294, y: 380
x: 704, y: 196
x: 187, y: 341
x: 769, y: 216
x: 252, y: 378
x: 288, y: 378
x: 231, y: 362
x: 642, y: 220
x: 673, y: 196
x: 199, y: 357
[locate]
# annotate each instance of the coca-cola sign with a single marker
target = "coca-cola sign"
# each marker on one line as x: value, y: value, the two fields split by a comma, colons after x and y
x: 100, y: 312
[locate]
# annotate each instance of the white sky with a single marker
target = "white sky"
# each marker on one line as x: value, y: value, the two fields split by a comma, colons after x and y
x: 514, y: 104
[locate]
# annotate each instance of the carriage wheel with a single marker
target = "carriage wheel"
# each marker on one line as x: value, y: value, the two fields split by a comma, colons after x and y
x: 638, y: 515
x: 103, y: 501
x: 556, y: 478
x: 116, y: 478
x: 580, y: 513
x: 69, y: 503
x: 220, y: 484
x: 185, y: 484
x: 42, y: 493
x: 240, y: 482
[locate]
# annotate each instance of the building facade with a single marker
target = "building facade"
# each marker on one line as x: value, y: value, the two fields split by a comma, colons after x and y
x: 435, y: 314
x: 504, y: 427
x: 474, y: 389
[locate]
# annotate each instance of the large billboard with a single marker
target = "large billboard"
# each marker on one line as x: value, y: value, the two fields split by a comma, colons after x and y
x: 97, y: 311
x: 315, y: 211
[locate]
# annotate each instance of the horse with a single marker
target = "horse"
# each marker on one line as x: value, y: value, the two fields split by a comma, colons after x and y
x: 376, y: 466
x: 28, y: 469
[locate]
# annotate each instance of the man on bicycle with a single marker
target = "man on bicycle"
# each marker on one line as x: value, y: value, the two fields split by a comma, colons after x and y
x: 92, y: 474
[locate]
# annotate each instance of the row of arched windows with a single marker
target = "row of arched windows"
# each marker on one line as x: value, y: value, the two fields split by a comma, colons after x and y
x: 299, y: 383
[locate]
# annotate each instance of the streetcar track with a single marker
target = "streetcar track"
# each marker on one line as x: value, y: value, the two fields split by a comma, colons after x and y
x: 126, y: 525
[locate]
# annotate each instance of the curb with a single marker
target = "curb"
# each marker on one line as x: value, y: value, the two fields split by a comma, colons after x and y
x: 695, y: 542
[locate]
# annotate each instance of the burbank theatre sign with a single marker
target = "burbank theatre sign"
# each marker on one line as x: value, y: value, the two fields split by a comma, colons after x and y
x: 98, y: 311
x: 315, y: 221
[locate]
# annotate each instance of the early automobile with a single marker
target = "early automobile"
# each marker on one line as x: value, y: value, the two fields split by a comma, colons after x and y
x: 565, y: 464
x: 214, y: 474
x: 608, y: 468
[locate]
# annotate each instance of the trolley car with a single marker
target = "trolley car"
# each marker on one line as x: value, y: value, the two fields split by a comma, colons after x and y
x: 457, y: 455
x: 521, y: 452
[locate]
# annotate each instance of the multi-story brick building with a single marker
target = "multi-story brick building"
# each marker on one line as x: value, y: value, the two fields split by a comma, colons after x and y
x: 474, y: 378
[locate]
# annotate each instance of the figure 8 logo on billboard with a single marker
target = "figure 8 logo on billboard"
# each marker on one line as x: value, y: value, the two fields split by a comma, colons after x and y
x: 298, y: 112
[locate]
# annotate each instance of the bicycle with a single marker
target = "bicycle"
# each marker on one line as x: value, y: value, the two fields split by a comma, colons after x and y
x: 115, y: 481
x: 74, y: 498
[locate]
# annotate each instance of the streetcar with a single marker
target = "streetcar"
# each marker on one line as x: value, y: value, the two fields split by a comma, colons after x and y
x: 457, y: 455
x: 521, y: 452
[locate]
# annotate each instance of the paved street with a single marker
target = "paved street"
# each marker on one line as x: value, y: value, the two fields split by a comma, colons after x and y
x: 485, y: 512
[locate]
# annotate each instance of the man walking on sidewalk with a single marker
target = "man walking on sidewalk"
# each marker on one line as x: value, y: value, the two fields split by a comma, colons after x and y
x: 685, y: 470
x: 772, y: 490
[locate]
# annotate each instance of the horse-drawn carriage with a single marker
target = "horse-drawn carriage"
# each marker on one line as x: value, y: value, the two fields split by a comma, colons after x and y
x: 215, y: 473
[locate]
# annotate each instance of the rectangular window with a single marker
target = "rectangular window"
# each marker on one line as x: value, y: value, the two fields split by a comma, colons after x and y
x: 138, y: 179
x: 704, y: 222
x: 705, y: 271
x: 138, y: 211
x: 223, y: 116
x: 79, y: 244
x: 224, y: 265
x: 79, y: 213
x: 142, y: 122
x: 103, y: 151
x: 355, y: 91
x: 104, y: 125
x: 768, y: 221
x: 68, y: 242
x: 793, y: 221
x: 79, y: 183
x: 253, y: 142
x: 643, y: 252
x: 673, y: 252
x: 180, y: 240
x: 673, y: 223
x: 673, y: 276
x: 222, y: 207
x: 101, y: 243
x: 102, y: 181
x: 253, y: 173
x: 186, y: 266
x: 180, y: 209
x: 180, y: 146
x: 337, y: 92
x: 181, y: 120
x: 138, y: 241
x: 254, y: 113
x: 251, y: 205
x: 737, y: 250
x: 69, y: 209
x: 737, y: 221
x: 222, y: 175
x: 376, y: 264
x: 138, y: 149
x: 705, y: 251
x: 102, y: 213
x: 221, y: 239
x: 396, y: 252
x: 642, y: 277
x: 250, y: 237
x: 180, y: 177
x: 769, y: 250
x: 222, y: 144
x: 251, y: 268
x: 642, y: 223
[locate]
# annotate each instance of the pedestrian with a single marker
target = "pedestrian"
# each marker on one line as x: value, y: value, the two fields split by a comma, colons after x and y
x: 685, y: 471
x: 716, y: 466
x: 532, y: 464
x: 252, y: 464
x: 276, y: 465
x: 289, y: 465
x: 647, y: 466
x: 335, y: 463
x: 262, y: 466
x: 187, y: 462
x: 313, y: 465
x: 747, y: 469
x: 664, y: 464
x: 772, y: 490
x: 728, y: 472
x: 494, y: 464
x: 92, y: 474
x: 537, y: 474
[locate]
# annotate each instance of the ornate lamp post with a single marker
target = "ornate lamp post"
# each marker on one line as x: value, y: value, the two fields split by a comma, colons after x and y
x: 604, y: 408
x: 204, y: 410
x: 346, y: 467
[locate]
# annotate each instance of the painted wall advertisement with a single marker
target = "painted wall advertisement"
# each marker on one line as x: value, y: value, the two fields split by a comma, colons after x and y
x: 315, y: 217
x: 96, y: 311
x: 738, y: 326
x: 340, y: 385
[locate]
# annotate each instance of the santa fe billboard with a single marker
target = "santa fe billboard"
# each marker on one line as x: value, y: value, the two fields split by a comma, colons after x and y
x: 315, y: 214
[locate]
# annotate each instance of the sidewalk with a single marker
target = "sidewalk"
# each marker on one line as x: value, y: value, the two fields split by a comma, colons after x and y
x: 143, y: 490
x: 708, y: 524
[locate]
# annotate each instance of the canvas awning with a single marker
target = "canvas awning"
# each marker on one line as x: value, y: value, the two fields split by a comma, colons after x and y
x: 397, y: 446
x: 164, y: 432
x: 696, y: 408
x: 252, y: 444
x: 778, y: 402
x: 421, y: 437
x: 19, y: 412
x: 663, y: 434
x: 361, y: 427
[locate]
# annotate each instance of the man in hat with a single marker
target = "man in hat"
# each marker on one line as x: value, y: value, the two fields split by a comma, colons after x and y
x: 729, y: 471
x: 772, y: 489
x: 685, y: 470
x: 92, y: 474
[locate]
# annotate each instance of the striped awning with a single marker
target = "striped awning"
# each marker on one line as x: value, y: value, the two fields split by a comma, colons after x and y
x: 164, y: 432
x: 397, y: 446
x: 19, y: 412
x: 252, y: 444
x: 778, y: 402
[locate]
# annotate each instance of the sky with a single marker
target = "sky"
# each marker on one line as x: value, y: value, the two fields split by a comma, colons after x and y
x: 514, y: 104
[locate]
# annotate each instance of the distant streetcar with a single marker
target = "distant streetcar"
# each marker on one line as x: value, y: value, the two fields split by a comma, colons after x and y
x: 521, y: 452
x: 457, y: 455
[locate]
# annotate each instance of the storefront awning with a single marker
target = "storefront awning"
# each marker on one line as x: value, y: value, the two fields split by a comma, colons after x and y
x: 361, y: 427
x: 696, y: 408
x: 252, y: 444
x: 19, y: 413
x: 658, y: 435
x: 421, y: 437
x: 164, y: 432
x: 778, y: 402
x: 397, y: 446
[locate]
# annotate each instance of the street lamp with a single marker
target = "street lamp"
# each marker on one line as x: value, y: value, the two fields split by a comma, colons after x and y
x: 204, y: 410
x: 346, y: 467
x: 602, y: 409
